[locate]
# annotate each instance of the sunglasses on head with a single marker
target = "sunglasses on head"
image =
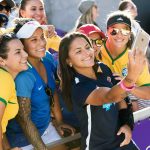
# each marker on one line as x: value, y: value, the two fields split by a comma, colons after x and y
x: 124, y: 32
x: 48, y: 91
x: 97, y: 42
x: 7, y: 8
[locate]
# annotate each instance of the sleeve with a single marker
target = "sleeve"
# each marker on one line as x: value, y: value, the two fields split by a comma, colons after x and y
x: 144, y: 78
x: 80, y: 93
x: 24, y: 84
x: 6, y: 83
x: 53, y: 43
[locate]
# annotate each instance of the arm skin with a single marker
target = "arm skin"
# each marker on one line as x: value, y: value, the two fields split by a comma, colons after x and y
x: 142, y: 92
x: 58, y: 116
x: 2, y: 109
x: 27, y: 125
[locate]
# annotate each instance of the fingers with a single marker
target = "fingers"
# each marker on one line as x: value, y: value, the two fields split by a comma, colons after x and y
x: 128, y: 134
x: 51, y: 31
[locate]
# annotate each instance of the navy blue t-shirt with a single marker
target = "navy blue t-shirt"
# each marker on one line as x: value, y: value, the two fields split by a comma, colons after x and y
x: 99, y: 124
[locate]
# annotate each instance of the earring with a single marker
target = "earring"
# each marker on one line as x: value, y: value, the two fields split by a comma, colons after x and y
x: 70, y: 64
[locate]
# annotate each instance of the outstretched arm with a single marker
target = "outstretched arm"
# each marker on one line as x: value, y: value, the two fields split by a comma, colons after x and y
x: 142, y: 92
x: 27, y: 125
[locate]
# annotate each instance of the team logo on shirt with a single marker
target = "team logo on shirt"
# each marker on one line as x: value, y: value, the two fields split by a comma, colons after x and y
x: 107, y: 106
x: 124, y: 72
x: 109, y: 79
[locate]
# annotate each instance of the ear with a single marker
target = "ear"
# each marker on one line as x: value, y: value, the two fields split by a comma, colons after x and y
x: 2, y: 62
x: 22, y: 13
x: 68, y: 62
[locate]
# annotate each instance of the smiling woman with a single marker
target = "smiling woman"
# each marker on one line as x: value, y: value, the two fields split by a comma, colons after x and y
x: 11, y: 50
x: 88, y: 89
x: 36, y: 90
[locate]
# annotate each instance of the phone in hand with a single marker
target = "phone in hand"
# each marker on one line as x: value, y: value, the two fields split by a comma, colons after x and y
x: 141, y: 41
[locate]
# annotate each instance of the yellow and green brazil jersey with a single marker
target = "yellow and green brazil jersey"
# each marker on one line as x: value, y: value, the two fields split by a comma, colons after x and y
x: 119, y: 65
x: 8, y: 98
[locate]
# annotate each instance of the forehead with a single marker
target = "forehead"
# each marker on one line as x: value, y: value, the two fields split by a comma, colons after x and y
x: 37, y: 32
x: 95, y: 35
x: 14, y: 44
x: 78, y: 42
x: 120, y: 25
x: 35, y: 3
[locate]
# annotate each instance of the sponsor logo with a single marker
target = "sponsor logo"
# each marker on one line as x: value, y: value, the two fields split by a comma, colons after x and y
x: 39, y: 88
x: 120, y: 19
x: 124, y: 72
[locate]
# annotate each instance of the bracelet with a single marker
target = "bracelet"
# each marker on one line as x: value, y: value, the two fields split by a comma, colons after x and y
x: 126, y: 88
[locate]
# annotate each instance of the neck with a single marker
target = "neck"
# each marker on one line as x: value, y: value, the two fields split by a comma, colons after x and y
x: 88, y: 72
x: 12, y: 73
x: 34, y: 61
x: 114, y: 51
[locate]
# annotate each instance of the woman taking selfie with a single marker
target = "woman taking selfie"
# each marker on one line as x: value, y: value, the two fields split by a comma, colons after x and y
x: 87, y: 89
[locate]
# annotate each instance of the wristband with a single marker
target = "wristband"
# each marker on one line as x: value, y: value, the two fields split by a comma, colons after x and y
x: 126, y: 88
x: 126, y: 117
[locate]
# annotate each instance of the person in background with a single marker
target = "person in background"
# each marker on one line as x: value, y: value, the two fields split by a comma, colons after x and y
x: 116, y: 48
x: 89, y: 13
x: 6, y: 6
x: 87, y: 89
x: 11, y: 50
x: 35, y: 9
x: 36, y: 93
x: 130, y: 7
x: 3, y: 22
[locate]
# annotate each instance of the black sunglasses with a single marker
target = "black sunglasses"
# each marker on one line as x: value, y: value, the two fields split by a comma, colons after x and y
x: 7, y: 8
x: 48, y: 91
x: 97, y: 42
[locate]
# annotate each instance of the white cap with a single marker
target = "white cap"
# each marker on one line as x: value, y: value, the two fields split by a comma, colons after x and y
x: 27, y: 30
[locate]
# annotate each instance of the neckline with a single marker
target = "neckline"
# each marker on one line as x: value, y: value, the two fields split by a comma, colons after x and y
x: 114, y: 59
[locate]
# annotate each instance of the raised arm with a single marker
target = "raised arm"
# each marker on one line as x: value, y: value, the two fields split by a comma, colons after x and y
x: 27, y: 125
x: 118, y: 92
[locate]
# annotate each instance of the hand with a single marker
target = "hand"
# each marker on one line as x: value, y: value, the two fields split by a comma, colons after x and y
x: 137, y: 61
x: 51, y: 31
x: 16, y: 148
x: 62, y: 127
x: 117, y: 76
x: 128, y: 134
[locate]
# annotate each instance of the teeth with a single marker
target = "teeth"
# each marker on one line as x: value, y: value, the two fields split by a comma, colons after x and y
x: 40, y: 50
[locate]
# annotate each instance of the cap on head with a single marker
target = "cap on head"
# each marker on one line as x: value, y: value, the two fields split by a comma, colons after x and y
x: 85, y: 5
x: 88, y: 29
x: 27, y: 30
x: 10, y: 3
x: 119, y: 17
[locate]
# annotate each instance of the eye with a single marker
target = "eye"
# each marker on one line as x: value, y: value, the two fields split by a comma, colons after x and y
x: 17, y: 52
x: 88, y: 47
x: 78, y: 51
x: 33, y: 40
x: 33, y: 9
x: 42, y: 8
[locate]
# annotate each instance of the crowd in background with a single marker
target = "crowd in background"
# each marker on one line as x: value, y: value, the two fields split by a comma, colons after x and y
x: 85, y: 81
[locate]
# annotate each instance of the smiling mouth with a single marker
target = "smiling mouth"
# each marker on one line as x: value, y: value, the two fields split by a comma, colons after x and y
x: 41, y: 50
